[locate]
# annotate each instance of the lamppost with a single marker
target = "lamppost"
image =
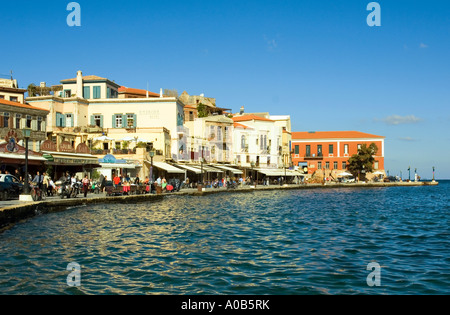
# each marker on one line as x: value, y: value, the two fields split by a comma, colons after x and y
x: 433, y: 174
x: 26, y: 190
x: 409, y: 176
x: 152, y: 155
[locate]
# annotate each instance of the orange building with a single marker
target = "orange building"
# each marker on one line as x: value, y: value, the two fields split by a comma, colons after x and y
x: 331, y: 150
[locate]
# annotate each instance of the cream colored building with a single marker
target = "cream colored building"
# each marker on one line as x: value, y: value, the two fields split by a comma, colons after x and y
x: 211, y: 138
x: 84, y: 117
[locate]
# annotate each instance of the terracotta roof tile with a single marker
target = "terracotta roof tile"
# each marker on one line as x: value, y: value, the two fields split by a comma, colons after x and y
x: 250, y: 117
x: 124, y: 89
x: 5, y: 102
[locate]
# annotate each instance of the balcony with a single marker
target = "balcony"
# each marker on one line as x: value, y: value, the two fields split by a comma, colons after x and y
x: 314, y: 157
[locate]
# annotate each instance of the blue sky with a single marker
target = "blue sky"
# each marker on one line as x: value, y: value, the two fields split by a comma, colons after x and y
x: 317, y: 61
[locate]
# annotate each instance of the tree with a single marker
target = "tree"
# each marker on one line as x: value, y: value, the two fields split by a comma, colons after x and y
x: 202, y: 110
x: 362, y: 162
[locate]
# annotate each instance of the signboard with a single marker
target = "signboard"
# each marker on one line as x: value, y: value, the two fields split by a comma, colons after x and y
x: 48, y: 145
x: 111, y: 159
x: 82, y: 148
x: 66, y: 147
x: 11, y: 139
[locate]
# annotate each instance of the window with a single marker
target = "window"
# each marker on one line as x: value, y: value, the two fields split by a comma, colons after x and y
x: 87, y: 92
x: 297, y: 150
x: 248, y: 159
x: 39, y: 123
x: 18, y: 118
x: 319, y: 150
x: 2, y: 97
x: 308, y: 150
x: 345, y: 148
x: 219, y: 133
x: 344, y: 165
x: 67, y: 93
x: 376, y: 166
x: 191, y: 116
x: 327, y: 165
x: 60, y: 120
x: 98, y: 121
x: 96, y: 92
x: 28, y: 124
x: 359, y: 147
x: 331, y: 149
x: 130, y: 121
x: 69, y: 120
x: 243, y: 142
x: 14, y: 99
x: 118, y: 121
x: 6, y: 120
x: 335, y: 165
x: 319, y: 165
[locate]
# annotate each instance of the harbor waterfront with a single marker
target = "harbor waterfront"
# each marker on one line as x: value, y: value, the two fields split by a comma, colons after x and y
x: 310, y: 239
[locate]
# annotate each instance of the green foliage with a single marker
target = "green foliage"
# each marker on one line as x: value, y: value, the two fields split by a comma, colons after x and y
x: 362, y: 162
x: 202, y: 110
x: 95, y: 175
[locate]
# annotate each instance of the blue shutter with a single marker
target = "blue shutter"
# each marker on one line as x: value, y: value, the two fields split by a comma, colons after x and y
x: 101, y: 121
x: 124, y: 121
x: 114, y: 121
x: 87, y: 92
x: 92, y: 120
x: 134, y: 120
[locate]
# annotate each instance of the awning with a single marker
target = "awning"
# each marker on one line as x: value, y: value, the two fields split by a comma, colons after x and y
x: 271, y: 171
x: 118, y: 165
x: 190, y: 168
x: 61, y: 158
x: 22, y: 157
x: 166, y: 167
x: 226, y: 168
x: 210, y: 169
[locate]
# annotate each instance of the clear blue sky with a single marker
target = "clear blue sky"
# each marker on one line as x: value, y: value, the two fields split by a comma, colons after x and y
x: 317, y: 61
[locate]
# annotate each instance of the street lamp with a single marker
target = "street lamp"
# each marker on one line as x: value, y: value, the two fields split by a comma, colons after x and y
x: 26, y: 189
x: 409, y: 176
x: 433, y: 174
x: 152, y: 155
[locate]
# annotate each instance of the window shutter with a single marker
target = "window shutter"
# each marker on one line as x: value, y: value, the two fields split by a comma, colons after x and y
x: 92, y: 120
x: 87, y: 92
x: 101, y: 121
x: 134, y: 120
x: 71, y: 121
x: 114, y: 121
x: 124, y: 121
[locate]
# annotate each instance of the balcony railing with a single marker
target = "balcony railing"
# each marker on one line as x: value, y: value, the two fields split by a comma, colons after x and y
x: 313, y: 156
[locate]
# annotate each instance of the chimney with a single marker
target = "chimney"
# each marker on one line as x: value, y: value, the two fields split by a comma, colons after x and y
x: 242, y: 110
x: 80, y: 84
x: 161, y: 93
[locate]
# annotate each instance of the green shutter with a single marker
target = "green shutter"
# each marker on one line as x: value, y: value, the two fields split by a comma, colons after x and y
x: 134, y: 120
x: 92, y: 120
x: 114, y: 121
x: 87, y: 92
x: 101, y: 121
x: 124, y: 121
x: 72, y: 122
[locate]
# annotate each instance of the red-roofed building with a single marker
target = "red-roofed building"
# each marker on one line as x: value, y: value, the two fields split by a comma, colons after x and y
x: 125, y: 92
x: 330, y: 151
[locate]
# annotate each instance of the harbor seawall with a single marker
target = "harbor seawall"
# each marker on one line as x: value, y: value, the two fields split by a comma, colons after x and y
x: 11, y: 215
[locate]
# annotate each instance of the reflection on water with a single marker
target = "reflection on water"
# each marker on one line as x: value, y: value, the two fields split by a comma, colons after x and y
x: 293, y: 242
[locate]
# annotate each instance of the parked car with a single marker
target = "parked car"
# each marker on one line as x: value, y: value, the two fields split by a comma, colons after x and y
x: 10, y: 187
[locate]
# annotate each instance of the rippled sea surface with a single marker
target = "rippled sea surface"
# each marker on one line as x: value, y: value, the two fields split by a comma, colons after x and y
x: 316, y: 241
